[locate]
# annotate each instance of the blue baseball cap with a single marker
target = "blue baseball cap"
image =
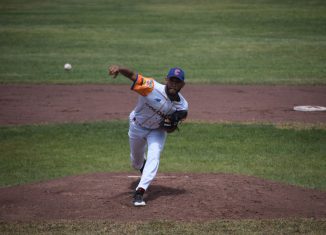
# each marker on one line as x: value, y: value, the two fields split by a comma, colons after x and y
x: 176, y: 73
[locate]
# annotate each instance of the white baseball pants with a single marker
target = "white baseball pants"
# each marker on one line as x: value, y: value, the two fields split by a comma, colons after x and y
x: 140, y: 140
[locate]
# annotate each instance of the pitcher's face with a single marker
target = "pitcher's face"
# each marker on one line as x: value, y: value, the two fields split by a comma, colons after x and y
x: 174, y: 85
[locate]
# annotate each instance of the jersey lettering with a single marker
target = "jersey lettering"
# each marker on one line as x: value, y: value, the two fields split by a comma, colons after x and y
x: 156, y: 111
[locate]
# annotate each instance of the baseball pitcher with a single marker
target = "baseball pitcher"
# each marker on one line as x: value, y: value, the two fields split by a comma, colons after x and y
x: 159, y: 111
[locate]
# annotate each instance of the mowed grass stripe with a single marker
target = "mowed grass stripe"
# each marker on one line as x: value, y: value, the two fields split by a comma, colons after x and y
x: 275, y: 226
x: 237, y: 41
x: 36, y: 153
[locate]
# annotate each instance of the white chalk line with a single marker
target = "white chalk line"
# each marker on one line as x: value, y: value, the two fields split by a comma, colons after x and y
x: 157, y: 177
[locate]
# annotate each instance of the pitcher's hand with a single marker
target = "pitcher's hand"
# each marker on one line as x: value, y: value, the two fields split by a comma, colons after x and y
x: 114, y: 70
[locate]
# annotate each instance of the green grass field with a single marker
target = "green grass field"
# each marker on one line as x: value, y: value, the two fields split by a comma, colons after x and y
x: 225, y: 41
x: 294, y: 226
x: 35, y: 153
x: 214, y: 41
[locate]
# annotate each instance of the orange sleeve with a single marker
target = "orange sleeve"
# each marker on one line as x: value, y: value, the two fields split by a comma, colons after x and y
x: 143, y: 85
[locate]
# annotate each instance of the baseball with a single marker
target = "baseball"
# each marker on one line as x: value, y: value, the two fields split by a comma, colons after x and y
x: 68, y: 66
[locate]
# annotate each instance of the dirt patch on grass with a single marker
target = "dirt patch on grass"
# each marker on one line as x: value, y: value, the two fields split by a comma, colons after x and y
x: 185, y: 197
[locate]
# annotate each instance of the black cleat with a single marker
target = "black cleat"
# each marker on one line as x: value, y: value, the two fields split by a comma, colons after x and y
x: 138, y: 198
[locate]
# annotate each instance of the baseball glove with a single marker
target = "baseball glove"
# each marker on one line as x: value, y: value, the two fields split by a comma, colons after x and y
x: 171, y: 122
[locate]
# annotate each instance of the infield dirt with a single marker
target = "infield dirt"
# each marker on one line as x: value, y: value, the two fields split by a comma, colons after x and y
x: 34, y: 104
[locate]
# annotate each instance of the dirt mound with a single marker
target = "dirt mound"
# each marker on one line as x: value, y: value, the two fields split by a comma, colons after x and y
x: 186, y: 197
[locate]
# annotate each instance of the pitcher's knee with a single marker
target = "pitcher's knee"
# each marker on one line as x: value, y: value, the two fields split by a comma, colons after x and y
x: 136, y: 165
x: 136, y: 161
x: 155, y: 154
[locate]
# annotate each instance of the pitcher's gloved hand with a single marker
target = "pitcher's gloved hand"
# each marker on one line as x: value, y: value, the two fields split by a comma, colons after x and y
x: 171, y: 122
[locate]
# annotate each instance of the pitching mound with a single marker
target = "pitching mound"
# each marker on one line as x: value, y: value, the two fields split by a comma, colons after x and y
x: 186, y: 197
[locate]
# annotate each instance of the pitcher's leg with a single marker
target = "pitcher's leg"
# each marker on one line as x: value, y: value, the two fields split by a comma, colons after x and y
x: 137, y: 152
x: 137, y: 144
x: 155, y: 141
